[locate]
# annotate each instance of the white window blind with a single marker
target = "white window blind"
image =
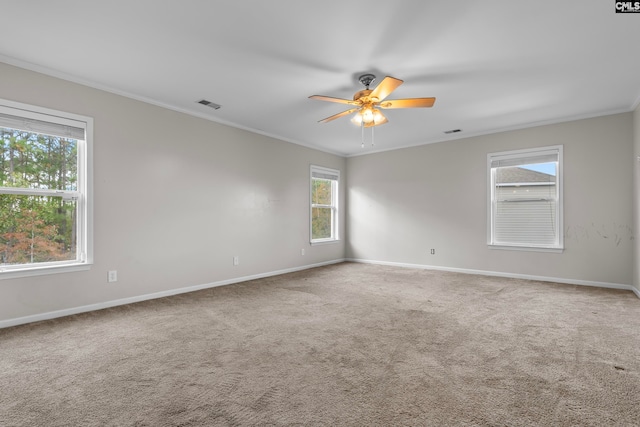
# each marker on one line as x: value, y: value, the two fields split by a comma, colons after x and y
x: 510, y: 160
x: 325, y: 174
x: 45, y: 127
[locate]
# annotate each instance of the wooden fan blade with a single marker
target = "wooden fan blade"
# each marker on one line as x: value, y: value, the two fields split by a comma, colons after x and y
x: 408, y: 103
x: 332, y: 99
x: 386, y: 86
x: 337, y: 116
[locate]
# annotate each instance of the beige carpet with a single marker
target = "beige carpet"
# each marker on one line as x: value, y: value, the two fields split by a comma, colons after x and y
x: 348, y: 344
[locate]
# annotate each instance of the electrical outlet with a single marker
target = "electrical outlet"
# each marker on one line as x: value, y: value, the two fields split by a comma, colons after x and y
x: 236, y: 260
x: 112, y: 276
x: 302, y: 252
x: 433, y: 251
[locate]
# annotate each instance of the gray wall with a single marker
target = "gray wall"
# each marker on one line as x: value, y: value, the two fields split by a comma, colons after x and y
x: 636, y: 197
x: 176, y: 197
x: 403, y: 203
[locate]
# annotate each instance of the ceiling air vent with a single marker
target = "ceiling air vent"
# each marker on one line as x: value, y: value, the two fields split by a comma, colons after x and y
x: 209, y: 104
x: 452, y: 131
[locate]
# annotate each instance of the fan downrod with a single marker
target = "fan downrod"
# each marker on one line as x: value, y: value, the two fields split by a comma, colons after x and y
x: 367, y: 79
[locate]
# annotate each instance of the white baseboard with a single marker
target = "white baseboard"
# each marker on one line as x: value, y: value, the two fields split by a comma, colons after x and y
x: 99, y: 306
x: 501, y: 274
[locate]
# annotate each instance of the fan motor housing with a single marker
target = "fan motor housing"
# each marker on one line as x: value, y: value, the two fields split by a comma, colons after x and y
x: 362, y: 94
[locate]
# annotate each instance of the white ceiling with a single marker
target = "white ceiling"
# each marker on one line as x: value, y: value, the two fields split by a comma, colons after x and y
x: 492, y: 65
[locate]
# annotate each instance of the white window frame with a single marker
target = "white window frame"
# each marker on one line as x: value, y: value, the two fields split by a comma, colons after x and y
x: 520, y: 157
x: 334, y: 176
x: 83, y: 195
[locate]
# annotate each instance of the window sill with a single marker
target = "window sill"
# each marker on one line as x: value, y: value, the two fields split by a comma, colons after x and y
x: 13, y: 273
x: 324, y: 242
x: 526, y: 248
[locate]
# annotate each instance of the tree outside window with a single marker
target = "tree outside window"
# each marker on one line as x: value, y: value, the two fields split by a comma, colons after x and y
x: 36, y: 228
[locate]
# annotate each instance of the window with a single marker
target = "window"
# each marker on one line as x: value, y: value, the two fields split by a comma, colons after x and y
x: 525, y: 206
x: 324, y: 204
x: 44, y: 201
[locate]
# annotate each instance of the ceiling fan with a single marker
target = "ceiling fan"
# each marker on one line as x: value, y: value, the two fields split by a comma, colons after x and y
x: 367, y: 102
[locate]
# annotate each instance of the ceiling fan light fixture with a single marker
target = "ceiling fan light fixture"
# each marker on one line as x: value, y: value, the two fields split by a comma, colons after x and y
x: 367, y: 115
x: 377, y: 116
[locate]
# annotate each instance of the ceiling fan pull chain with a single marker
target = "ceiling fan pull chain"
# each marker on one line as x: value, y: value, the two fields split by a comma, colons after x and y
x: 362, y: 133
x: 372, y: 128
